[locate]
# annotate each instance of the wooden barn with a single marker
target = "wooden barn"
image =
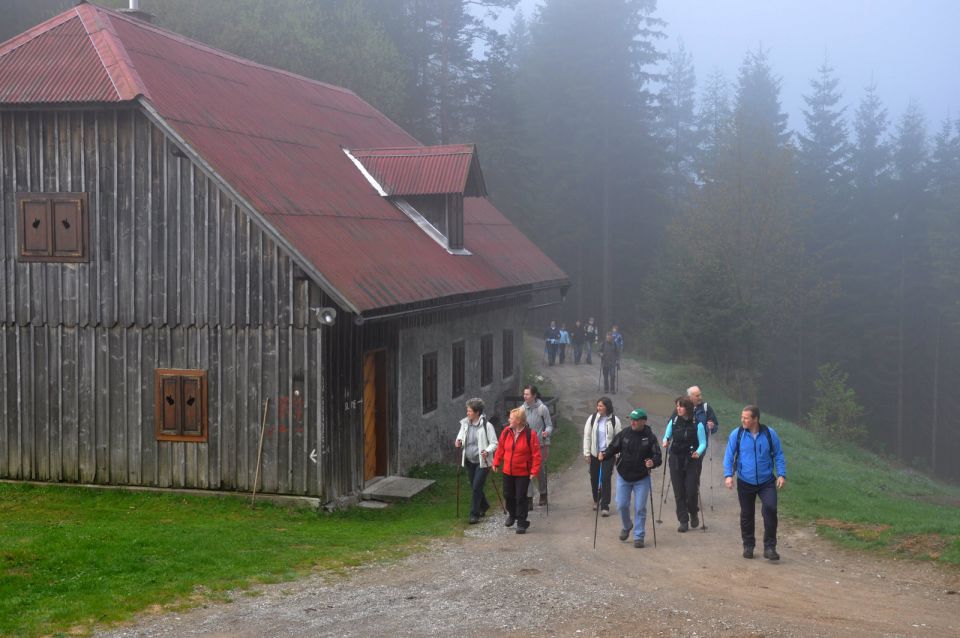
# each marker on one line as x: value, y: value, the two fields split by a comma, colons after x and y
x: 186, y: 235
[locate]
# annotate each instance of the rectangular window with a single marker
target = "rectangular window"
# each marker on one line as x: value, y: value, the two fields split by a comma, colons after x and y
x: 429, y: 382
x: 486, y: 360
x: 507, y: 354
x: 458, y: 369
x: 52, y: 227
x: 180, y: 405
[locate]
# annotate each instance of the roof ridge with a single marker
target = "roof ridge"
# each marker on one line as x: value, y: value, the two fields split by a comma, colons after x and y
x: 182, y: 39
x: 112, y: 52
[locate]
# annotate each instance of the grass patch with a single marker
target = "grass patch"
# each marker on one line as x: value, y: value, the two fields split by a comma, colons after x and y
x: 853, y: 496
x: 72, y: 558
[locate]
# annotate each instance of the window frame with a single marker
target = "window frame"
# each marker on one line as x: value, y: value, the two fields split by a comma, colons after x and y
x: 178, y: 376
x: 429, y: 373
x: 50, y: 254
x: 506, y: 355
x: 458, y: 368
x: 486, y: 360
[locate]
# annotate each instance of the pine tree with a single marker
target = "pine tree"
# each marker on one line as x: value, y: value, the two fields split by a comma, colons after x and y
x: 714, y: 120
x: 870, y: 156
x: 677, y: 120
x: 824, y: 150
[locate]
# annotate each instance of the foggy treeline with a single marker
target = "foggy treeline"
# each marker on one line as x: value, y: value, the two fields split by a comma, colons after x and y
x: 682, y: 208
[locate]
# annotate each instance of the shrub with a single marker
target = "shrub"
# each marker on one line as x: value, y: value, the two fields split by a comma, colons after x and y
x: 836, y: 413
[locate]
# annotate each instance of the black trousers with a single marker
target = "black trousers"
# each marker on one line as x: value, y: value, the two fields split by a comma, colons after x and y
x: 607, y: 465
x: 685, y: 477
x: 610, y: 378
x: 515, y: 495
x: 563, y: 352
x: 577, y: 352
x: 478, y: 477
x: 748, y: 493
x: 552, y: 352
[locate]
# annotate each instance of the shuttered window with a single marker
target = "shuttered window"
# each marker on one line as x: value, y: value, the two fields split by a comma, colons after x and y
x: 52, y: 227
x: 429, y: 382
x: 486, y: 360
x: 507, y: 353
x: 181, y: 405
x: 458, y: 369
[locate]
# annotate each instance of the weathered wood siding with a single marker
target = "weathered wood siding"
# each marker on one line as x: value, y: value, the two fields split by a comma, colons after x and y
x: 179, y: 277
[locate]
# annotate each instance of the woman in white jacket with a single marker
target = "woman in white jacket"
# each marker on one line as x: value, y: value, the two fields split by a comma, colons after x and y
x: 598, y: 431
x: 478, y: 440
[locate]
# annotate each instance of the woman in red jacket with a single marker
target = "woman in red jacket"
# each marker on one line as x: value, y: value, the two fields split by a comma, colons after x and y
x: 519, y: 452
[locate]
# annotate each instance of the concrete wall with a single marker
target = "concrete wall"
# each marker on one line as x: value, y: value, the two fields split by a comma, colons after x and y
x: 427, y: 438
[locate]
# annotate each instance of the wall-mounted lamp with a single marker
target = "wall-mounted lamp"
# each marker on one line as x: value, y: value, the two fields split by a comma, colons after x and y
x: 326, y: 316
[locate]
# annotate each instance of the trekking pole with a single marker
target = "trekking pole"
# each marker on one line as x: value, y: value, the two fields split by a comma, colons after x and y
x: 703, y: 519
x: 497, y: 492
x: 663, y: 484
x: 459, y: 469
x: 652, y: 522
x: 596, y: 520
x: 711, y: 479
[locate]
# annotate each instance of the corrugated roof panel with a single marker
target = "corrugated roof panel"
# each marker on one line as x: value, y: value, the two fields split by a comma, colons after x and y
x: 424, y: 170
x: 278, y: 140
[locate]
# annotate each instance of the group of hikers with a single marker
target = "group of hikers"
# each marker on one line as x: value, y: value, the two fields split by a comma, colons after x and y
x: 753, y: 463
x: 585, y: 337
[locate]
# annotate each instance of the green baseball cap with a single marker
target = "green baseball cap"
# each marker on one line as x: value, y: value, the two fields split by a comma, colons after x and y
x: 638, y: 414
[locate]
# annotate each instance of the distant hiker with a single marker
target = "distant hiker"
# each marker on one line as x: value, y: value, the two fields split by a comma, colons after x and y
x: 592, y: 337
x: 538, y: 416
x: 687, y: 440
x: 598, y: 433
x: 617, y: 340
x: 564, y: 342
x: 755, y: 455
x: 519, y: 452
x: 478, y: 440
x: 578, y: 336
x: 552, y: 338
x: 609, y: 357
x: 639, y: 453
x: 703, y: 411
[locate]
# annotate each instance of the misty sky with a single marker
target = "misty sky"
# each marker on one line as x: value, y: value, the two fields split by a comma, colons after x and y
x: 911, y: 49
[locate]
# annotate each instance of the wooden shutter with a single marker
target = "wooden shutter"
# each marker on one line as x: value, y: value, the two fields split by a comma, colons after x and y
x: 68, y: 225
x: 34, y: 227
x: 53, y: 227
x: 181, y: 405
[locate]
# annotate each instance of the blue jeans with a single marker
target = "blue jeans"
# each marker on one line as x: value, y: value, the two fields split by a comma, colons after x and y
x: 641, y: 492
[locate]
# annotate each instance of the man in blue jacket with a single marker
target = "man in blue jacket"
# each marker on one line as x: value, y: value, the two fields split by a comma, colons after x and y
x: 753, y: 453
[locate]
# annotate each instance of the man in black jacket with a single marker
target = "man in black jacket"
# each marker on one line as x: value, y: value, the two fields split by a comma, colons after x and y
x: 639, y: 453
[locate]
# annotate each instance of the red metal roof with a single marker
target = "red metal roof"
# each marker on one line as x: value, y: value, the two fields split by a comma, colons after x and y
x: 277, y: 139
x: 425, y: 170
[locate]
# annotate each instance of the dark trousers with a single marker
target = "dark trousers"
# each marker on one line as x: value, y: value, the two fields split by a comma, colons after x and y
x: 478, y: 477
x: 515, y: 495
x: 563, y: 352
x: 595, y: 466
x: 551, y: 353
x: 747, y: 493
x: 609, y: 378
x: 685, y: 477
x: 577, y: 352
x: 590, y: 352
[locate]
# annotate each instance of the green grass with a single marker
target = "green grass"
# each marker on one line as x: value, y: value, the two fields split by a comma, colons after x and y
x: 852, y: 495
x: 74, y: 557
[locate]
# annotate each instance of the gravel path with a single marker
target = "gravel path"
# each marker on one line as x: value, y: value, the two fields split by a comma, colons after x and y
x: 551, y: 582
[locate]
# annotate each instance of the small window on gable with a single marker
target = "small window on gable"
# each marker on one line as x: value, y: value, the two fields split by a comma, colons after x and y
x: 486, y: 360
x: 181, y: 405
x: 52, y: 227
x: 429, y: 382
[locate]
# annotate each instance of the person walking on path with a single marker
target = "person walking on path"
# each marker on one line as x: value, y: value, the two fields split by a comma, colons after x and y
x: 755, y: 455
x: 518, y: 451
x: 577, y: 337
x: 609, y: 358
x: 538, y: 416
x: 687, y: 440
x: 552, y: 338
x: 564, y: 342
x: 703, y: 411
x: 478, y: 440
x: 638, y: 454
x: 598, y: 432
x: 592, y: 336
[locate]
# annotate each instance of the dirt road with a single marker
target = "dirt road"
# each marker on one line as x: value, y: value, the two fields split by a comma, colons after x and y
x: 551, y: 582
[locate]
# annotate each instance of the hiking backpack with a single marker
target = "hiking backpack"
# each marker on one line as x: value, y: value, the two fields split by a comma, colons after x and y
x: 736, y: 452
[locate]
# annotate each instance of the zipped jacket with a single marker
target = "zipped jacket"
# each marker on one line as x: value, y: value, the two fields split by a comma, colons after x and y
x: 755, y: 465
x: 634, y: 448
x: 538, y: 419
x: 590, y: 432
x: 486, y: 440
x: 518, y: 453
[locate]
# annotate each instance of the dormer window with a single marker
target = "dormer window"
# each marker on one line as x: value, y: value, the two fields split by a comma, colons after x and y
x: 428, y: 183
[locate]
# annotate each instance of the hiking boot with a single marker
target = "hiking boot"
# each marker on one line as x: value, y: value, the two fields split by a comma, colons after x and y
x: 543, y: 499
x: 605, y: 512
x: 521, y: 530
x: 473, y: 520
x: 770, y: 553
x: 748, y: 552
x: 683, y: 528
x: 624, y: 533
x: 694, y: 521
x: 638, y: 543
x: 594, y: 506
x: 529, y: 503
x: 510, y: 521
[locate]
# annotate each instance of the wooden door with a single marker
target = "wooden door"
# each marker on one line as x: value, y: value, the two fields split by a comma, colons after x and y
x: 374, y: 415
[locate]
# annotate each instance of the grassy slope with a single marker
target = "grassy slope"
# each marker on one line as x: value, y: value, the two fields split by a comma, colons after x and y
x: 855, y: 497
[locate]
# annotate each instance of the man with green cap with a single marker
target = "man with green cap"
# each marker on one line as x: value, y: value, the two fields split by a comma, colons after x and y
x: 639, y: 453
